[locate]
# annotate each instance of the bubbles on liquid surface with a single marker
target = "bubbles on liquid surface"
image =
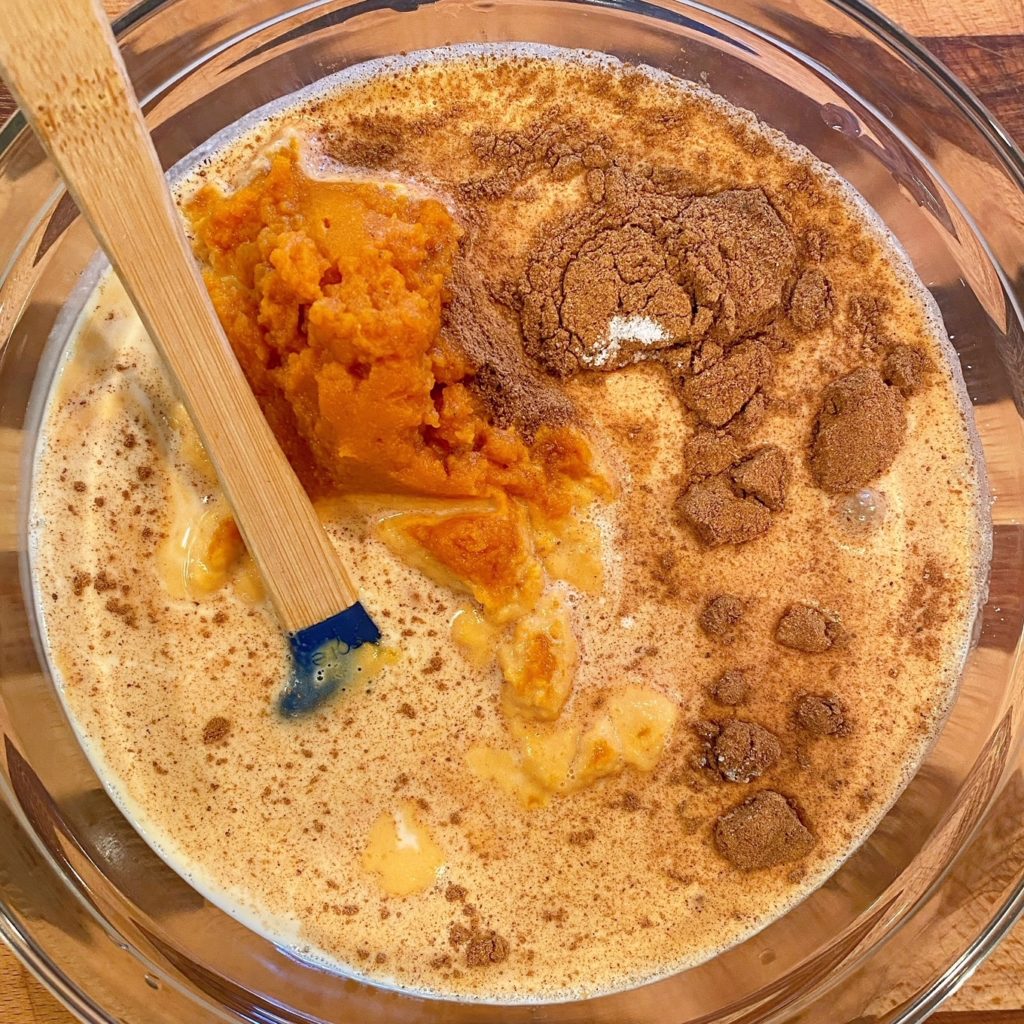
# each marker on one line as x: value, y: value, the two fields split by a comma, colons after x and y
x: 863, y: 512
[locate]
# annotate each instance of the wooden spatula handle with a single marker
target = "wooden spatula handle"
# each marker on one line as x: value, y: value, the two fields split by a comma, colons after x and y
x: 62, y: 63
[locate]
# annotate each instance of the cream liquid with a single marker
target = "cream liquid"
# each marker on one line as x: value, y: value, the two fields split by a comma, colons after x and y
x: 272, y: 822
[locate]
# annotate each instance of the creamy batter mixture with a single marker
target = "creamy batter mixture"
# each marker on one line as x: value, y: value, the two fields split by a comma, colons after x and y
x: 675, y: 573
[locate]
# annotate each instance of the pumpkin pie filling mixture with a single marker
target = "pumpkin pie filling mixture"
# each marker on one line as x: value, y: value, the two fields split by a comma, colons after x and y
x: 648, y: 454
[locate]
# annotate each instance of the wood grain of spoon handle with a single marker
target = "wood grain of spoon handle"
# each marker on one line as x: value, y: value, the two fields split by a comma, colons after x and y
x: 61, y: 62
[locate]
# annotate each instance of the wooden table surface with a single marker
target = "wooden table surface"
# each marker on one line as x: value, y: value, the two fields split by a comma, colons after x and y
x: 982, y: 41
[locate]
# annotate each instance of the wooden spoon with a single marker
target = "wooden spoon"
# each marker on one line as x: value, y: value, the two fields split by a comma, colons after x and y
x: 60, y: 60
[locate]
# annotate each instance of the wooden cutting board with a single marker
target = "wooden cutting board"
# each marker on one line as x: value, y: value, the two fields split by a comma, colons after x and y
x: 982, y: 41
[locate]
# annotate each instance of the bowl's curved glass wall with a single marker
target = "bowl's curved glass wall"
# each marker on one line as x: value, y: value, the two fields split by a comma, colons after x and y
x: 123, y: 938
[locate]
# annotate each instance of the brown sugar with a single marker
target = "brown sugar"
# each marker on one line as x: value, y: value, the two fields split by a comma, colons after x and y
x: 761, y: 832
x: 485, y: 948
x: 79, y: 582
x: 745, y: 423
x: 216, y: 730
x: 511, y: 390
x: 713, y: 510
x: 867, y: 314
x: 123, y: 610
x: 820, y: 714
x: 699, y: 267
x: 720, y: 392
x: 744, y: 751
x: 103, y: 582
x: 730, y: 688
x: 807, y: 628
x: 858, y: 431
x: 455, y: 893
x: 608, y: 261
x: 906, y: 368
x: 721, y: 615
x: 709, y: 452
x: 764, y: 474
x: 810, y: 305
x: 742, y: 258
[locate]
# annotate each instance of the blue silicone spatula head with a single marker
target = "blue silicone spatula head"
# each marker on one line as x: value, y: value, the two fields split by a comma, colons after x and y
x: 322, y: 659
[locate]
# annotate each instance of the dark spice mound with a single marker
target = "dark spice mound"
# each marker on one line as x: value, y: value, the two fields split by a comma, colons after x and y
x: 484, y: 948
x: 761, y: 832
x: 730, y: 688
x: 513, y: 392
x: 713, y: 510
x: 720, y: 392
x: 764, y: 474
x: 810, y: 305
x: 820, y: 714
x: 906, y: 368
x: 803, y: 627
x: 721, y: 615
x: 858, y: 431
x: 611, y: 259
x: 706, y: 267
x: 744, y: 751
x: 740, y: 256
x: 729, y: 499
x: 708, y: 452
x: 216, y: 729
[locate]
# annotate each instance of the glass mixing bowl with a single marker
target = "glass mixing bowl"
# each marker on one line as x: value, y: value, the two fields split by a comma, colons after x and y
x: 121, y: 938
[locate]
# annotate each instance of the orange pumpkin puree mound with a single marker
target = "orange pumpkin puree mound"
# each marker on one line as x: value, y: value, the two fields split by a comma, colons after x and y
x: 331, y: 293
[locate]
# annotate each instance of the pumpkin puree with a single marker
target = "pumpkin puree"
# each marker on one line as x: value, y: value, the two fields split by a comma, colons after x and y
x: 331, y: 293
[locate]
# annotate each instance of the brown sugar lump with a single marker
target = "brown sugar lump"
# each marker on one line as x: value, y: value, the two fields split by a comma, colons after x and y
x: 730, y: 688
x: 807, y: 628
x: 744, y: 751
x: 740, y: 256
x: 713, y: 510
x: 484, y: 948
x: 720, y: 392
x: 858, y: 431
x: 906, y: 368
x: 764, y: 474
x: 721, y: 615
x: 748, y: 420
x: 708, y: 453
x: 761, y: 832
x: 810, y: 305
x: 216, y: 729
x: 820, y: 714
